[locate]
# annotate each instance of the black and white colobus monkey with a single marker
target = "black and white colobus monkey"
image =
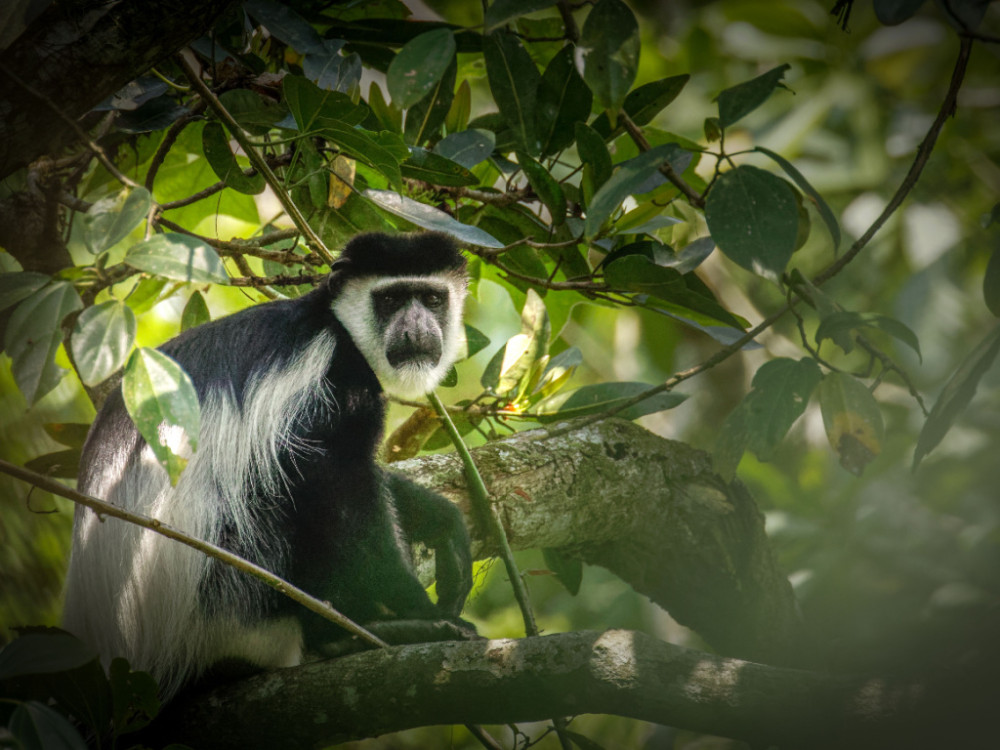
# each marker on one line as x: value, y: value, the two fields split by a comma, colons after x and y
x: 292, y: 406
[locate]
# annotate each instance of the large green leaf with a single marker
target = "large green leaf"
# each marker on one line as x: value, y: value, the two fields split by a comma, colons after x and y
x: 178, y: 256
x: 607, y: 54
x: 436, y: 169
x: 514, y: 81
x: 20, y: 285
x: 595, y: 158
x: 424, y: 119
x: 419, y: 66
x: 308, y: 103
x: 109, y: 221
x: 626, y: 180
x: 162, y: 401
x: 507, y: 374
x: 195, y: 311
x: 467, y: 147
x: 545, y: 187
x: 753, y: 217
x: 852, y: 420
x: 799, y: 179
x: 285, y: 24
x: 742, y: 99
x: 593, y: 399
x: 34, y: 332
x: 564, y: 101
x: 36, y: 726
x: 431, y: 218
x: 957, y: 394
x: 362, y: 146
x: 837, y: 326
x: 501, y: 12
x: 644, y: 103
x: 215, y: 144
x: 101, y: 340
x: 253, y: 112
x: 781, y: 390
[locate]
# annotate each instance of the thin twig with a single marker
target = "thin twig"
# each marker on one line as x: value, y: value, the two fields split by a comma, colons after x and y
x: 665, y: 169
x: 314, y: 241
x: 80, y: 132
x: 103, y: 508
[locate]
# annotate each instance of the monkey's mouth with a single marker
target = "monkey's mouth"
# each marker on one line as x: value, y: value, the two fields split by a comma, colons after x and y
x: 407, y: 355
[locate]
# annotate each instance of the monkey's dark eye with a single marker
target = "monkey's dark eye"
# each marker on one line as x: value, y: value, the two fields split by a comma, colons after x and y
x: 433, y: 299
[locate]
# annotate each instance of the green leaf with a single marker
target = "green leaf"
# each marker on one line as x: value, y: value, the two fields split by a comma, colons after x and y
x: 71, y: 434
x: 545, y: 187
x: 162, y: 401
x: 436, y: 169
x: 285, y: 24
x: 594, y: 399
x: 179, y: 257
x: 797, y: 177
x: 514, y: 81
x: 101, y: 340
x: 36, y: 726
x: 628, y: 178
x: 195, y: 311
x: 20, y: 285
x: 457, y: 118
x: 34, y: 332
x: 568, y: 570
x: 957, y: 394
x: 607, y: 54
x: 501, y: 12
x: 742, y: 99
x: 991, y: 283
x: 43, y: 653
x: 637, y: 273
x: 419, y: 66
x: 852, y: 419
x: 253, y: 112
x: 362, y: 146
x: 424, y: 119
x: 648, y: 100
x: 134, y: 697
x: 508, y: 372
x: 467, y: 147
x: 781, y: 390
x: 110, y: 220
x: 431, y: 218
x: 475, y: 341
x: 837, y: 326
x: 595, y: 158
x: 390, y: 117
x: 558, y: 370
x: 753, y: 218
x: 215, y: 144
x: 63, y: 464
x: 308, y: 103
x: 564, y: 101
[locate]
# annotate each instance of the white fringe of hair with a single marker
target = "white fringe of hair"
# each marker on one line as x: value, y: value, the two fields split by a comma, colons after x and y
x: 134, y: 593
x: 355, y: 309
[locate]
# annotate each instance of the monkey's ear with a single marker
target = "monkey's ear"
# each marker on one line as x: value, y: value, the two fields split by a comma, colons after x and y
x: 339, y: 270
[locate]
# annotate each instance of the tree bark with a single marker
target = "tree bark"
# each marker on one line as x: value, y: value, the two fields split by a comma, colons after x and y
x: 617, y: 672
x: 650, y: 510
x: 105, y: 43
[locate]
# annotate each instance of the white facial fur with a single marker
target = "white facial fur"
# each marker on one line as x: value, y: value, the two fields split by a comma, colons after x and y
x: 354, y: 308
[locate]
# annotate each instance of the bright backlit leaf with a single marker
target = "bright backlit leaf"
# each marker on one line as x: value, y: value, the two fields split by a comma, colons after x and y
x: 179, y: 257
x: 852, y: 419
x: 101, y: 340
x: 163, y: 404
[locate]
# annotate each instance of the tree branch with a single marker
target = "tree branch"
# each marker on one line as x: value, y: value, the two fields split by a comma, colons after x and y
x: 619, y: 672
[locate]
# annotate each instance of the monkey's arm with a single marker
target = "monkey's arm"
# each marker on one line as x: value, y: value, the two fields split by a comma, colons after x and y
x: 427, y: 517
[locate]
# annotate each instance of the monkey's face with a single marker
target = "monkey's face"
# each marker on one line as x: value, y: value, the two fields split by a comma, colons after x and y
x: 408, y: 328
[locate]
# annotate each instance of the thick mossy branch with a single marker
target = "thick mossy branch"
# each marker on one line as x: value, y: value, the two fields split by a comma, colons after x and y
x: 617, y: 672
x: 650, y: 510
